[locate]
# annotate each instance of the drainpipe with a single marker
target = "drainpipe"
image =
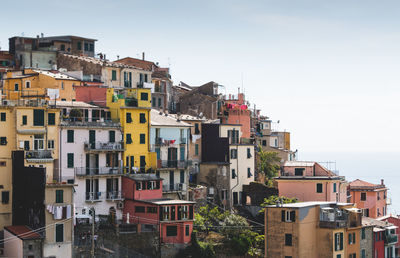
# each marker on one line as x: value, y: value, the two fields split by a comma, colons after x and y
x: 326, y: 191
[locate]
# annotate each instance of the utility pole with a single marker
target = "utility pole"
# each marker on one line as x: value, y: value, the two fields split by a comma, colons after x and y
x: 93, y: 221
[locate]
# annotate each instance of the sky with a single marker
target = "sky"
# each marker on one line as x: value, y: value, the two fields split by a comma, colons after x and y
x: 327, y: 70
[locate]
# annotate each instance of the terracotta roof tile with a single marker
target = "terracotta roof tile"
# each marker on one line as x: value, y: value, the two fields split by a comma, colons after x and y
x: 145, y: 65
x: 23, y: 232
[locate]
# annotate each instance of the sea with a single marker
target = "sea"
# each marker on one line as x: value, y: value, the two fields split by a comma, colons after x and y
x: 367, y: 166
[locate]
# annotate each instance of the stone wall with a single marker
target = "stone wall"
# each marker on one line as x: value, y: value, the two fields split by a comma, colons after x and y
x: 258, y: 191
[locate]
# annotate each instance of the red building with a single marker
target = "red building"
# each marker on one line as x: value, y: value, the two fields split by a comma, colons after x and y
x: 236, y: 112
x: 385, y: 237
x: 145, y: 207
x: 395, y: 220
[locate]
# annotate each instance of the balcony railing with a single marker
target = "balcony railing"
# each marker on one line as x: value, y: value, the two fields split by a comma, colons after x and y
x: 90, y: 122
x: 173, y: 163
x: 38, y: 154
x: 391, y: 239
x: 93, y: 196
x: 104, y: 146
x: 85, y: 171
x: 114, y: 195
x: 333, y: 219
x: 131, y: 102
x: 174, y: 187
x: 182, y: 140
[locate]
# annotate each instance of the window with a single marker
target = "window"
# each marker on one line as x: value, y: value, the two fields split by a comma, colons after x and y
x: 196, y: 129
x: 91, y: 47
x: 145, y: 78
x: 5, y: 197
x: 27, y: 84
x: 151, y: 209
x: 51, y: 119
x: 299, y: 171
x: 70, y: 135
x: 319, y: 188
x: 172, y: 231
x: 153, y: 102
x: 128, y: 118
x: 334, y: 187
x: 142, y: 138
x: 24, y: 120
x: 233, y: 174
x: 111, y: 136
x: 3, y: 140
x: 2, y: 116
x: 139, y: 209
x: 59, y: 232
x: 288, y: 216
x: 248, y: 153
x: 354, y: 255
x: 16, y: 86
x: 59, y: 196
x: 79, y: 45
x: 363, y: 233
x: 86, y: 45
x: 363, y: 196
x: 264, y: 142
x: 50, y: 144
x: 159, y: 102
x: 339, y: 241
x: 3, y: 163
x: 62, y: 86
x: 165, y: 212
x: 365, y: 212
x: 288, y: 239
x: 233, y: 153
x: 70, y: 160
x: 187, y: 229
x: 128, y: 138
x: 363, y: 254
x: 113, y: 75
x: 249, y: 174
x: 144, y: 96
x: 38, y: 117
x: 352, y: 238
x: 142, y: 118
x: 62, y: 48
x: 196, y: 149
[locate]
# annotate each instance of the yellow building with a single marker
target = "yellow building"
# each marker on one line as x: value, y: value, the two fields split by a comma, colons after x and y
x: 34, y: 130
x: 32, y: 84
x: 132, y: 108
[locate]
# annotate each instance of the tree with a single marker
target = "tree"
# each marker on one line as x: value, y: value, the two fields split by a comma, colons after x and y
x: 233, y: 225
x: 268, y: 163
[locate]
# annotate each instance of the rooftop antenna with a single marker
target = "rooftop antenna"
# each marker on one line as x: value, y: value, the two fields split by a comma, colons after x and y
x: 242, y: 82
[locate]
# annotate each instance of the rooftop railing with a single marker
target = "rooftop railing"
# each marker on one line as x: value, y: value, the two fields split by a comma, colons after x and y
x: 104, y: 146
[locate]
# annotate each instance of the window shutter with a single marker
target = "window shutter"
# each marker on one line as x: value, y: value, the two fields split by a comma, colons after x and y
x: 283, y: 216
x: 293, y: 216
x: 179, y: 212
x: 336, y: 242
x: 341, y: 241
x: 191, y: 212
x: 59, y: 232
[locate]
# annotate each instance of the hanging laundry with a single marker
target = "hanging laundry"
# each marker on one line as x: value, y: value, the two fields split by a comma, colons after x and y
x: 69, y: 211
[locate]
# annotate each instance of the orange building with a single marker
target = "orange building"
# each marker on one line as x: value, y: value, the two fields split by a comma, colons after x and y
x: 34, y: 83
x: 371, y: 198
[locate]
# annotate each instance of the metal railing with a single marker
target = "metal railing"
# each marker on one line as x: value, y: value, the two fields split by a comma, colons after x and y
x: 87, y: 171
x: 38, y: 154
x: 89, y: 122
x: 114, y: 195
x: 333, y: 219
x: 104, y: 146
x: 174, y: 187
x: 182, y: 140
x: 391, y: 239
x: 173, y: 163
x: 93, y: 196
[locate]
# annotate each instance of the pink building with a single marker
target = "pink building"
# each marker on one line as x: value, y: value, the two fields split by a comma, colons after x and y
x: 309, y: 181
x: 236, y: 112
x: 371, y: 198
x: 145, y: 207
x: 395, y: 220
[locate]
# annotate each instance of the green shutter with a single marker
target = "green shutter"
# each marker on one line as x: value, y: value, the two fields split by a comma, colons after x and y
x: 70, y: 136
x: 111, y: 136
x: 3, y: 117
x: 336, y: 242
x: 59, y: 232
x: 142, y: 138
x: 59, y: 196
x: 38, y: 117
x: 341, y: 241
x: 196, y: 149
x: 114, y: 75
x: 51, y: 119
x: 70, y: 157
x: 24, y: 120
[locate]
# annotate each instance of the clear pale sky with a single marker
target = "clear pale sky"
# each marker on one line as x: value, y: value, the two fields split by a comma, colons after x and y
x: 328, y: 70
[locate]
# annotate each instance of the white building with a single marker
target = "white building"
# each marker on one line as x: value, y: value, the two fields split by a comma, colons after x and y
x: 90, y: 154
x: 169, y: 139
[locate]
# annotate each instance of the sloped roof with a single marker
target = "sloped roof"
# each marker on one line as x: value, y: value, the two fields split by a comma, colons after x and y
x: 145, y: 65
x: 102, y: 62
x: 55, y: 75
x: 360, y: 184
x: 367, y: 221
x: 160, y: 119
x: 23, y: 232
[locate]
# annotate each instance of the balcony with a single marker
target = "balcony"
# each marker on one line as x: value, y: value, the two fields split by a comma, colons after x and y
x: 391, y: 239
x: 114, y: 196
x: 104, y: 146
x: 93, y: 196
x: 90, y: 122
x: 131, y: 102
x: 333, y: 218
x: 84, y: 171
x: 174, y: 187
x: 38, y: 156
x: 172, y: 163
x: 182, y: 140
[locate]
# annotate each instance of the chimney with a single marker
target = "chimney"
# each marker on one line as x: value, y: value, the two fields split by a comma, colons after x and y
x: 382, y: 182
x: 143, y: 56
